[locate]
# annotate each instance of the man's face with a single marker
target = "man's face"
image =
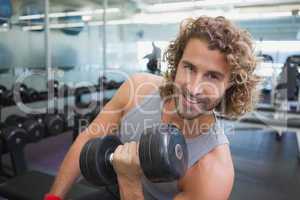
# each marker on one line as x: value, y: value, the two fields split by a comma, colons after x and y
x: 201, y: 80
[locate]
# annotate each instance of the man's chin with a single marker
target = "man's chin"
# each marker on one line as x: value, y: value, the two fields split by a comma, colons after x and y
x: 189, y: 115
x: 192, y: 114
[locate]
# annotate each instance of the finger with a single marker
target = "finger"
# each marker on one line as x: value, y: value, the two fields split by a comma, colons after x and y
x: 132, y: 149
x: 126, y: 148
x: 118, y: 152
x: 119, y: 149
x: 137, y: 148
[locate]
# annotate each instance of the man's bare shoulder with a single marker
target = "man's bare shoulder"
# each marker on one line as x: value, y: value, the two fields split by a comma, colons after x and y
x: 134, y: 90
x: 145, y: 83
x: 147, y: 80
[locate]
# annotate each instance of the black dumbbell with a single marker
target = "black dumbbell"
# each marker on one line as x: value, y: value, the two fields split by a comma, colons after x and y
x: 162, y: 152
x: 2, y: 91
x: 32, y: 95
x: 18, y: 89
x: 21, y: 89
x: 26, y: 94
x: 35, y: 128
x: 102, y: 81
x: 54, y: 86
x: 13, y: 137
x: 64, y: 90
x: 54, y: 123
x: 7, y: 98
x: 66, y: 114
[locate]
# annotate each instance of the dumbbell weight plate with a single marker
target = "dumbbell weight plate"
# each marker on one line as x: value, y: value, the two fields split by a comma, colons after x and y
x: 177, y: 155
x: 32, y: 94
x: 15, y: 120
x: 2, y: 91
x: 54, y: 124
x: 21, y: 89
x: 83, y: 163
x: 95, y: 157
x: 7, y: 98
x: 14, y: 137
x: 35, y: 130
x: 98, y: 155
x: 163, y: 153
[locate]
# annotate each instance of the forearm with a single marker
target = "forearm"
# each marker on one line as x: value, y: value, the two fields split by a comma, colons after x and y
x: 130, y: 189
x: 69, y: 169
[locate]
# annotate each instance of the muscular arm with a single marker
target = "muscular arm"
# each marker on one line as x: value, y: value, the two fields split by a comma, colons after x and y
x: 210, y: 179
x: 130, y: 189
x: 105, y: 122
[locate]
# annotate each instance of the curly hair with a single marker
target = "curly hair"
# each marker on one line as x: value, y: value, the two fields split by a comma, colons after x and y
x: 236, y: 46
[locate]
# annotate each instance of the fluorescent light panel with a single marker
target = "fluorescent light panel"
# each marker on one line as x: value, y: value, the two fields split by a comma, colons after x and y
x: 75, y: 13
x: 176, y: 6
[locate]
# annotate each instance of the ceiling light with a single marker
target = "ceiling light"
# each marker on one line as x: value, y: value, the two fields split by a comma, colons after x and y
x: 73, y: 13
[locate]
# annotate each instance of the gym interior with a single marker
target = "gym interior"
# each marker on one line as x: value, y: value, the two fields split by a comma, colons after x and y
x: 62, y: 61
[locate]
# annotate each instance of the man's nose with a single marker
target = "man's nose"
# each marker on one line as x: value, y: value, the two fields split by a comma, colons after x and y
x: 196, y: 86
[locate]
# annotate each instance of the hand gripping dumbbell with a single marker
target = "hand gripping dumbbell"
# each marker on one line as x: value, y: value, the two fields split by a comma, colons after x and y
x: 162, y: 152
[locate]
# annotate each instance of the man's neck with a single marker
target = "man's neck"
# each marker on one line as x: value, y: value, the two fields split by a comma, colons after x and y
x: 190, y: 128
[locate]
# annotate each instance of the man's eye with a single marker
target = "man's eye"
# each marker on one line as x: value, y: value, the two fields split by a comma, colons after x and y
x: 213, y: 76
x: 188, y: 67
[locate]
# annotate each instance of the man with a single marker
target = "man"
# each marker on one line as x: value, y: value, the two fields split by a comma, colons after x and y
x: 211, y: 64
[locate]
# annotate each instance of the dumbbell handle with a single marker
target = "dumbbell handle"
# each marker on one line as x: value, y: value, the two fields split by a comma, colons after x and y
x: 111, y: 158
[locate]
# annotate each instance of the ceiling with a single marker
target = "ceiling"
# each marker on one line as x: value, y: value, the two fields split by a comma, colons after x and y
x: 61, y: 5
x: 162, y: 10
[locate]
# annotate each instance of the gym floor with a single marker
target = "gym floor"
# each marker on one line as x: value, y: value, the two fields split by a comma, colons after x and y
x: 264, y: 167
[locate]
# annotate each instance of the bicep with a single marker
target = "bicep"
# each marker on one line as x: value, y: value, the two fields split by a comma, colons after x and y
x: 216, y: 189
x: 210, y: 178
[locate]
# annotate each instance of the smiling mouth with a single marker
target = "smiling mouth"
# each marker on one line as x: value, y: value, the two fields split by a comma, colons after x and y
x: 188, y: 100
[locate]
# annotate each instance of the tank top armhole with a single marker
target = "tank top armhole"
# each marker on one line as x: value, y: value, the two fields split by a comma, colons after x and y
x: 133, y: 110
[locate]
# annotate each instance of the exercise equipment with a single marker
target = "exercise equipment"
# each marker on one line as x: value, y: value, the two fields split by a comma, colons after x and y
x: 32, y: 95
x: 15, y: 95
x: 154, y: 58
x: 66, y: 114
x: 289, y: 79
x: 113, y: 85
x: 19, y: 93
x: 53, y: 87
x: 102, y: 82
x: 162, y: 152
x: 35, y: 128
x: 32, y: 8
x: 6, y: 11
x: 64, y: 90
x: 14, y: 139
x: 54, y: 123
x: 81, y: 121
x: 71, y: 19
x: 105, y: 84
x: 2, y: 91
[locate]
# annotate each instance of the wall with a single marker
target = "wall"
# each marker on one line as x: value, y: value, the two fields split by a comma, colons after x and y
x: 23, y: 49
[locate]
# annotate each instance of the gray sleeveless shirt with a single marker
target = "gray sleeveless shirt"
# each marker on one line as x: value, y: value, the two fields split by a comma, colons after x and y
x: 147, y: 114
